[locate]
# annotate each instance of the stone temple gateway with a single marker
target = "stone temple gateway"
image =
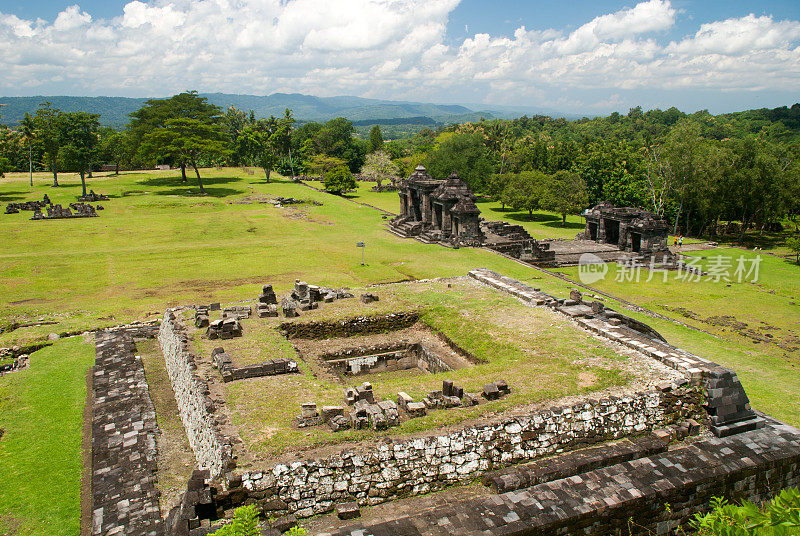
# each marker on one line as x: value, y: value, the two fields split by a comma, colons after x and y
x: 630, y: 229
x: 439, y: 210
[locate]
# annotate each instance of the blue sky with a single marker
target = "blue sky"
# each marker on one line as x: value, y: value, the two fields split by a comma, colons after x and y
x: 579, y: 56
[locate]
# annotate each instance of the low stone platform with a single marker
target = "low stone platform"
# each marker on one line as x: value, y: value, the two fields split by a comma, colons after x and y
x: 124, y: 495
x: 627, y: 498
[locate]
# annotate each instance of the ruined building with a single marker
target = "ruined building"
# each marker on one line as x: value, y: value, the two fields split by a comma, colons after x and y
x: 630, y: 229
x: 444, y: 212
x: 439, y: 211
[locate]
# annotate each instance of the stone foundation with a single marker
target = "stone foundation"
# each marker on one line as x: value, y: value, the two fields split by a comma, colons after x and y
x: 363, y: 325
x: 416, y: 466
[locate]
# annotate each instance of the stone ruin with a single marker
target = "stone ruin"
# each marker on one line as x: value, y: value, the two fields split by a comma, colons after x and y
x: 55, y: 212
x: 14, y: 208
x: 272, y: 367
x: 368, y: 412
x: 304, y: 297
x: 444, y: 212
x: 92, y: 197
x: 267, y: 303
x: 224, y: 328
x: 240, y: 312
x: 630, y: 229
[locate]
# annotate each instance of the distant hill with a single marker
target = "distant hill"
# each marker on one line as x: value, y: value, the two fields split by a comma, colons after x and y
x: 114, y: 110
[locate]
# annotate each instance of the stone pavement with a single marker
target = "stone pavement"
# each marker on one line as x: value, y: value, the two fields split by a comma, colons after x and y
x: 124, y: 430
x: 628, y: 497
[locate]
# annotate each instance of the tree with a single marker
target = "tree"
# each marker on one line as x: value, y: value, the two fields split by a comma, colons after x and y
x: 114, y: 147
x: 793, y: 243
x: 339, y: 180
x: 564, y: 193
x: 497, y: 184
x: 150, y: 133
x: 525, y: 191
x: 379, y: 167
x: 28, y: 129
x: 465, y: 154
x: 375, y: 139
x: 80, y: 131
x: 186, y: 140
x: 48, y: 127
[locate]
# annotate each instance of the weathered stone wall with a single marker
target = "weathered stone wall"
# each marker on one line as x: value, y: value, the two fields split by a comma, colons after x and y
x: 211, y: 449
x: 124, y: 497
x: 363, y: 325
x: 415, y: 466
x: 648, y: 496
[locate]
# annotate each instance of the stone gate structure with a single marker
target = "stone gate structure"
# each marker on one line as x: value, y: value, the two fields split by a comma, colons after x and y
x: 630, y: 229
x: 440, y: 209
x: 444, y: 212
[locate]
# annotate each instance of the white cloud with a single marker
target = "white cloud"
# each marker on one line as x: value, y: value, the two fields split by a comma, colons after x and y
x: 385, y: 48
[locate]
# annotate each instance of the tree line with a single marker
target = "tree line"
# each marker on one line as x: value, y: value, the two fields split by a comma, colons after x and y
x: 699, y: 171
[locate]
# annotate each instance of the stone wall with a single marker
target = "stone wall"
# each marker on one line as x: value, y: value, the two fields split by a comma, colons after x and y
x: 124, y: 497
x: 211, y: 449
x: 416, y: 466
x: 649, y: 496
x: 362, y: 325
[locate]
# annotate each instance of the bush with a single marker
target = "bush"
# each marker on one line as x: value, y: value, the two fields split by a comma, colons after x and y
x: 244, y: 523
x: 779, y: 517
x: 339, y: 180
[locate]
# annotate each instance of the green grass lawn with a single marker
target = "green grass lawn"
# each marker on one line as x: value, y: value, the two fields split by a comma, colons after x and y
x: 539, y: 354
x: 158, y: 243
x: 40, y: 452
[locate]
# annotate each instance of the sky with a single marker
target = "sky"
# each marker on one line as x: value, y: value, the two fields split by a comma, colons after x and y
x: 577, y: 56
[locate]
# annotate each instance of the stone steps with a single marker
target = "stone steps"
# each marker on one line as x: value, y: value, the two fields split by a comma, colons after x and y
x: 625, y: 498
x: 574, y: 463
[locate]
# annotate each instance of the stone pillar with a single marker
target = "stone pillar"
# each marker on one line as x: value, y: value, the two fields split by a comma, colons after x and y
x: 426, y: 207
x: 447, y: 221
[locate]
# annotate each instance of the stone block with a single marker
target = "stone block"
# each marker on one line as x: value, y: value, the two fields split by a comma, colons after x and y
x: 490, y: 392
x: 308, y: 409
x: 348, y: 510
x: 328, y: 412
x: 283, y: 523
x: 447, y: 387
x: 575, y: 296
x: 470, y: 399
x: 502, y: 386
x: 416, y: 409
x: 214, y: 306
x: 403, y: 399
x: 368, y: 297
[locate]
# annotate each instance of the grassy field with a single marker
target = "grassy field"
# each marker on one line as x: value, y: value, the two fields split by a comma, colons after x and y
x: 753, y: 326
x: 539, y: 354
x: 158, y: 243
x: 40, y: 452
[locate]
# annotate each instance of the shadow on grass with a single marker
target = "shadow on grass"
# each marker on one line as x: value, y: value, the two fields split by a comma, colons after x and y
x: 537, y: 217
x: 190, y: 188
x: 177, y: 182
x: 569, y: 225
x: 195, y: 192
x: 13, y: 196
